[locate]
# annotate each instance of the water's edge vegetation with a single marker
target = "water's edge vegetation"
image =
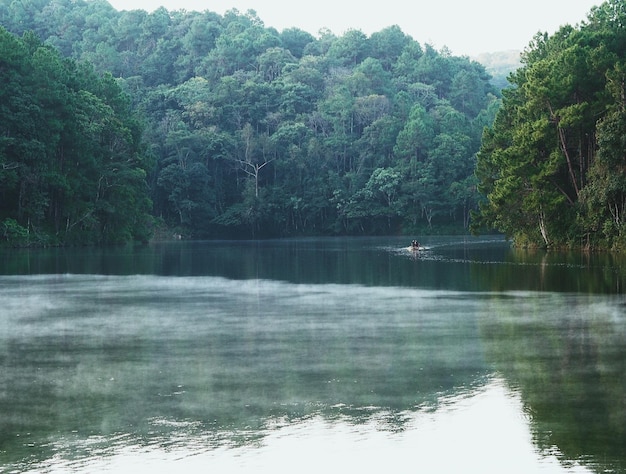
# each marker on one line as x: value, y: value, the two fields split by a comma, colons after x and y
x: 552, y: 167
x: 117, y: 125
x: 217, y: 126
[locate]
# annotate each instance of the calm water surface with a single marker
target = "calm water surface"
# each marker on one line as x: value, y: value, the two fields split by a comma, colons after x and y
x: 312, y: 355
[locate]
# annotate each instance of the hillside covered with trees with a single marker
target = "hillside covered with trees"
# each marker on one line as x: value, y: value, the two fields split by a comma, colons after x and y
x: 217, y: 126
x: 553, y: 166
x: 72, y: 167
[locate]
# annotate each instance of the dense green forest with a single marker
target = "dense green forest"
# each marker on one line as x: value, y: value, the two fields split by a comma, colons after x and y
x: 115, y: 123
x: 72, y: 167
x: 553, y: 166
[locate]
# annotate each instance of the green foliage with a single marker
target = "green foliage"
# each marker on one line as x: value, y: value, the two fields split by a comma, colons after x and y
x: 72, y: 167
x: 253, y: 132
x: 13, y: 233
x: 552, y: 166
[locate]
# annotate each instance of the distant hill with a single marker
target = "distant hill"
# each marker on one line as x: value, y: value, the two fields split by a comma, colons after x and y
x: 500, y: 64
x: 242, y: 131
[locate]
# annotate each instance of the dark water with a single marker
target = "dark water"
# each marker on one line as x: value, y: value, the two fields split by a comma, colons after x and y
x: 312, y: 355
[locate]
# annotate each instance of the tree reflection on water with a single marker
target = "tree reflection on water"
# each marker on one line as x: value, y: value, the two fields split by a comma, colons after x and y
x: 227, y: 353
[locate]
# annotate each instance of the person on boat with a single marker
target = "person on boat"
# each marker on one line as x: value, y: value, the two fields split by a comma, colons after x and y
x: 415, y: 245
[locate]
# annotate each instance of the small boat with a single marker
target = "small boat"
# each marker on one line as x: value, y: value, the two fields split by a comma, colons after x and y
x: 415, y: 246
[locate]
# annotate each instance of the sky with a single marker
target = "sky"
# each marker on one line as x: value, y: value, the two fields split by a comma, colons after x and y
x: 466, y: 27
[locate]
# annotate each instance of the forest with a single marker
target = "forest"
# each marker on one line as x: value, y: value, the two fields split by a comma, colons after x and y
x: 115, y: 125
x: 552, y: 167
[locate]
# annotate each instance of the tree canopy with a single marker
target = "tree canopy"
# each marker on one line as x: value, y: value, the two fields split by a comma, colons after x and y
x: 72, y: 167
x: 553, y: 166
x: 250, y: 132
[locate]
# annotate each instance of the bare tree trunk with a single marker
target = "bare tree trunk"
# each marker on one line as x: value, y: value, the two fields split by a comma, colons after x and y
x: 543, y: 229
x: 570, y: 167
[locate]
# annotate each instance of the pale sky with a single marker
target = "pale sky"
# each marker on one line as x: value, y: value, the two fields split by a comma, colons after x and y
x: 466, y: 27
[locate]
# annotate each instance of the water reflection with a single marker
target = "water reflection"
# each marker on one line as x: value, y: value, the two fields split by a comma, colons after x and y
x: 570, y: 368
x: 214, y: 349
x: 452, y: 438
x: 358, y: 355
x: 453, y: 263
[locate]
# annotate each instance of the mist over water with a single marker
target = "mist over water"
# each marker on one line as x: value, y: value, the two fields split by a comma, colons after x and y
x: 311, y: 355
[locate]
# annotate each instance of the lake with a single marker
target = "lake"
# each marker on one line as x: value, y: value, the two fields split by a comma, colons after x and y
x: 312, y: 355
